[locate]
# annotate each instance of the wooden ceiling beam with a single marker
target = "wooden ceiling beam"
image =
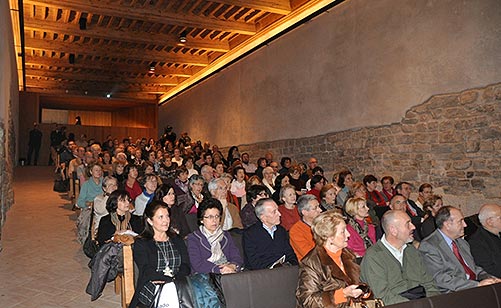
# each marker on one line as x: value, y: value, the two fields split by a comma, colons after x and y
x: 109, y: 87
x: 112, y: 8
x: 282, y: 7
x: 168, y: 81
x: 115, y: 52
x: 124, y: 35
x: 145, y: 98
x: 107, y: 66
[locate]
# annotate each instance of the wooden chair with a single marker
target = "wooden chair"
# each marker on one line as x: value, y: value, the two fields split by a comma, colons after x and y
x: 124, y: 283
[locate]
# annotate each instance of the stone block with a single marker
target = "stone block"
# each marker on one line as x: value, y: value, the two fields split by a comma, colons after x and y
x: 472, y: 146
x: 461, y: 164
x: 442, y: 101
x: 468, y: 97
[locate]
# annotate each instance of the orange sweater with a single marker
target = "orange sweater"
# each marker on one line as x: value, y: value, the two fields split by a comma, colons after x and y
x: 301, y: 239
x: 336, y: 257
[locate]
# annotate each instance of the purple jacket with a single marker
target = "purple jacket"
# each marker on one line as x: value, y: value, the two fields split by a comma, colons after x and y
x: 199, y: 251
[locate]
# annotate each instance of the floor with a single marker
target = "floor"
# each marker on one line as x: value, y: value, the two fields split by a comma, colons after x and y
x: 41, y: 264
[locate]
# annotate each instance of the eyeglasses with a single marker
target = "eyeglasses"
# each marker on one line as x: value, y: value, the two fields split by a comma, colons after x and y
x: 212, y: 217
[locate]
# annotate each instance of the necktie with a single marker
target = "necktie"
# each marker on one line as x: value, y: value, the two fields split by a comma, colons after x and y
x: 468, y: 270
x: 411, y: 210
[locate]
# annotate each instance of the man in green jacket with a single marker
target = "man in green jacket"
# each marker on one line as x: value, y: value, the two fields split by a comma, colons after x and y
x: 393, y: 266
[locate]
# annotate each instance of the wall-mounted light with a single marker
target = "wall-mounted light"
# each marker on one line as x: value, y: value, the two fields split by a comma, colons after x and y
x: 152, y: 67
x: 108, y: 95
x: 182, y: 37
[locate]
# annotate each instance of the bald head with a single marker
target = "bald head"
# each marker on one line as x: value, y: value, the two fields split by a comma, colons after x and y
x: 397, y: 227
x: 490, y: 217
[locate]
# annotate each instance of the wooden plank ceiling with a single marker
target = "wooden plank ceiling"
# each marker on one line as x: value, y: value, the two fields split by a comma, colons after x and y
x: 131, y: 48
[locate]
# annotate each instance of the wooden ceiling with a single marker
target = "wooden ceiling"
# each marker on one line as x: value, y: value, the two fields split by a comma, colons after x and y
x: 95, y: 47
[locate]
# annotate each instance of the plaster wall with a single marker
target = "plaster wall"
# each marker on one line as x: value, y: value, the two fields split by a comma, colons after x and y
x: 363, y: 63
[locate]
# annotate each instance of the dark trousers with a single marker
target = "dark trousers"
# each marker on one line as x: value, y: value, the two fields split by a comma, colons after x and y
x: 31, y: 149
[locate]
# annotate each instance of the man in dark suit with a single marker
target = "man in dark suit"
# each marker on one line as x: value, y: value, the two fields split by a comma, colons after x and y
x: 447, y: 255
x: 485, y: 243
x: 266, y: 241
x: 413, y: 210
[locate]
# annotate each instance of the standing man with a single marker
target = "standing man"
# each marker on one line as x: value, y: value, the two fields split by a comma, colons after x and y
x: 34, y: 143
x: 447, y: 255
x: 392, y: 267
x: 266, y: 241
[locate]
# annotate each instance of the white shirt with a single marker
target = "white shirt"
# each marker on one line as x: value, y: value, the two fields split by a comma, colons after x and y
x: 397, y: 253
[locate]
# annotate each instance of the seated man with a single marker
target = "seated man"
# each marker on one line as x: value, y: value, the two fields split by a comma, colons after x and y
x: 485, y: 243
x: 266, y: 241
x: 301, y: 238
x: 447, y: 255
x: 393, y: 266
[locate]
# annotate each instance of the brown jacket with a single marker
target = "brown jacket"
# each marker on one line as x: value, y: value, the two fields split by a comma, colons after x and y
x: 319, y: 277
x: 235, y: 216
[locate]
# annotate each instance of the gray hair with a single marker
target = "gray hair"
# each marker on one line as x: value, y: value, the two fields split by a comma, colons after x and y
x: 388, y: 220
x: 213, y: 184
x: 196, y: 177
x: 107, y: 179
x: 259, y: 208
x: 303, y: 203
x: 205, y: 168
x: 487, y: 211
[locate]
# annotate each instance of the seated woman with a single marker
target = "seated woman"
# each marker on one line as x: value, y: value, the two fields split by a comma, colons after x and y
x: 288, y: 210
x: 358, y: 190
x: 362, y: 233
x: 189, y: 202
x: 345, y: 180
x: 237, y: 186
x: 107, y: 163
x: 328, y: 274
x: 119, y: 218
x: 211, y: 249
x: 254, y: 194
x: 91, y: 188
x: 178, y: 224
x: 131, y: 185
x: 280, y: 181
x: 431, y: 205
x: 160, y: 255
x: 328, y: 195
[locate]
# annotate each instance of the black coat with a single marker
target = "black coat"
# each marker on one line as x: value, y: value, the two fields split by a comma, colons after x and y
x: 145, y: 257
x: 486, y: 250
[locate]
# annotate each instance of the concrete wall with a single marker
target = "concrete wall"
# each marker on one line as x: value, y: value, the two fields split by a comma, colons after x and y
x: 8, y: 111
x: 363, y: 63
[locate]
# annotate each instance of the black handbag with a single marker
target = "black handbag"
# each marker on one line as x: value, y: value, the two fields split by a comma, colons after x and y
x: 90, y: 246
x: 414, y: 293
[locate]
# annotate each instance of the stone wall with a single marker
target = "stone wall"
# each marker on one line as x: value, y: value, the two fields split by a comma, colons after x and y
x: 9, y: 111
x: 452, y: 141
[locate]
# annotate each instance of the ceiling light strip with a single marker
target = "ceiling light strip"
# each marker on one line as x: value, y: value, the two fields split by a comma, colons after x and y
x: 255, y: 41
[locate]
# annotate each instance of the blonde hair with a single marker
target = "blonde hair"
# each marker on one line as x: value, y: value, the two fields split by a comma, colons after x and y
x: 324, y: 226
x: 351, y: 205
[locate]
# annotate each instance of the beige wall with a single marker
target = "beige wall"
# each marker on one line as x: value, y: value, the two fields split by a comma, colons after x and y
x: 363, y: 63
x: 8, y: 111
